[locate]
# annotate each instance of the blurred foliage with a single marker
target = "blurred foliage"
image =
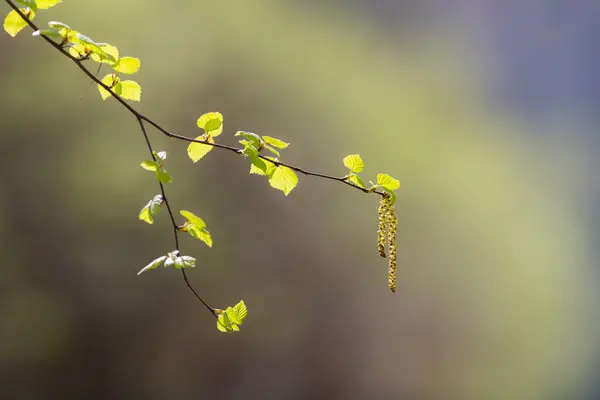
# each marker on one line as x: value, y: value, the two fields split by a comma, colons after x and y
x: 491, y: 276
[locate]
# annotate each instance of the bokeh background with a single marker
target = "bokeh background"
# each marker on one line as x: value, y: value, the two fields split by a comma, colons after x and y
x: 486, y: 110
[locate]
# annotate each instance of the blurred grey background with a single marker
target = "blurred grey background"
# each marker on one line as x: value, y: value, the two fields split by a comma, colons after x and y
x: 486, y: 110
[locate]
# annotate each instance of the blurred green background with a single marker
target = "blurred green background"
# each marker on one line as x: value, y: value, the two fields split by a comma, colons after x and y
x: 495, y: 286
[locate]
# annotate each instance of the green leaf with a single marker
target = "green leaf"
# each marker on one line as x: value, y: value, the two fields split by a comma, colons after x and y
x: 196, y: 227
x: 272, y: 150
x: 163, y: 176
x: 110, y: 56
x: 193, y: 219
x: 283, y: 179
x: 223, y: 323
x: 28, y: 3
x: 354, y: 163
x: 357, y: 181
x: 211, y: 123
x: 241, y: 310
x: 198, y: 150
x: 257, y: 170
x: 131, y: 90
x: 230, y: 319
x: 201, y: 234
x: 233, y: 316
x: 151, y: 209
x: 149, y: 165
x: 387, y: 182
x: 128, y: 65
x: 51, y: 33
x: 185, y: 262
x: 252, y: 138
x: 280, y: 144
x: 109, y: 80
x: 13, y: 23
x: 58, y: 25
x: 45, y: 4
x: 153, y: 265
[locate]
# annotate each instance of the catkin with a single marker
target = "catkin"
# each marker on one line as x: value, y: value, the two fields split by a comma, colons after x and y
x: 392, y: 229
x: 382, y: 212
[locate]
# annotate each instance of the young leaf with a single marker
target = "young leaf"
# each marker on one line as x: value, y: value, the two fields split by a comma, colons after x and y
x: 198, y: 150
x: 211, y: 123
x: 241, y: 310
x: 272, y: 150
x: 256, y: 168
x: 230, y: 319
x: 58, y: 25
x: 185, y: 262
x: 109, y: 80
x: 111, y: 54
x: 128, y: 65
x: 196, y: 227
x: 387, y: 182
x: 13, y: 23
x: 223, y: 323
x: 149, y: 165
x: 356, y: 180
x: 193, y: 219
x: 49, y: 33
x: 354, y: 163
x: 131, y: 90
x: 280, y: 144
x: 283, y: 179
x: 163, y: 176
x: 151, y: 209
x: 45, y: 4
x: 251, y: 138
x: 153, y: 265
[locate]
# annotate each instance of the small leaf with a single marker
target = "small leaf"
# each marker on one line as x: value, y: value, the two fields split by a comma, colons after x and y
x: 387, y: 182
x: 153, y: 265
x: 211, y: 123
x: 45, y: 4
x: 28, y: 3
x: 272, y: 150
x: 109, y: 80
x: 280, y: 144
x: 131, y: 90
x: 356, y: 180
x: 241, y: 310
x: 223, y: 323
x: 391, y: 194
x: 233, y: 316
x: 252, y: 138
x: 13, y: 23
x: 201, y: 234
x: 51, y: 33
x: 128, y: 65
x: 185, y: 262
x: 151, y: 209
x: 58, y: 25
x: 283, y: 179
x: 196, y: 227
x: 149, y: 165
x: 270, y: 168
x: 193, y: 219
x: 163, y: 176
x: 198, y: 150
x: 110, y: 56
x: 354, y: 163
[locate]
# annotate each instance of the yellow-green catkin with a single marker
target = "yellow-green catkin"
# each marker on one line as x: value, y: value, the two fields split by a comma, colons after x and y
x: 392, y: 229
x: 383, y: 222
